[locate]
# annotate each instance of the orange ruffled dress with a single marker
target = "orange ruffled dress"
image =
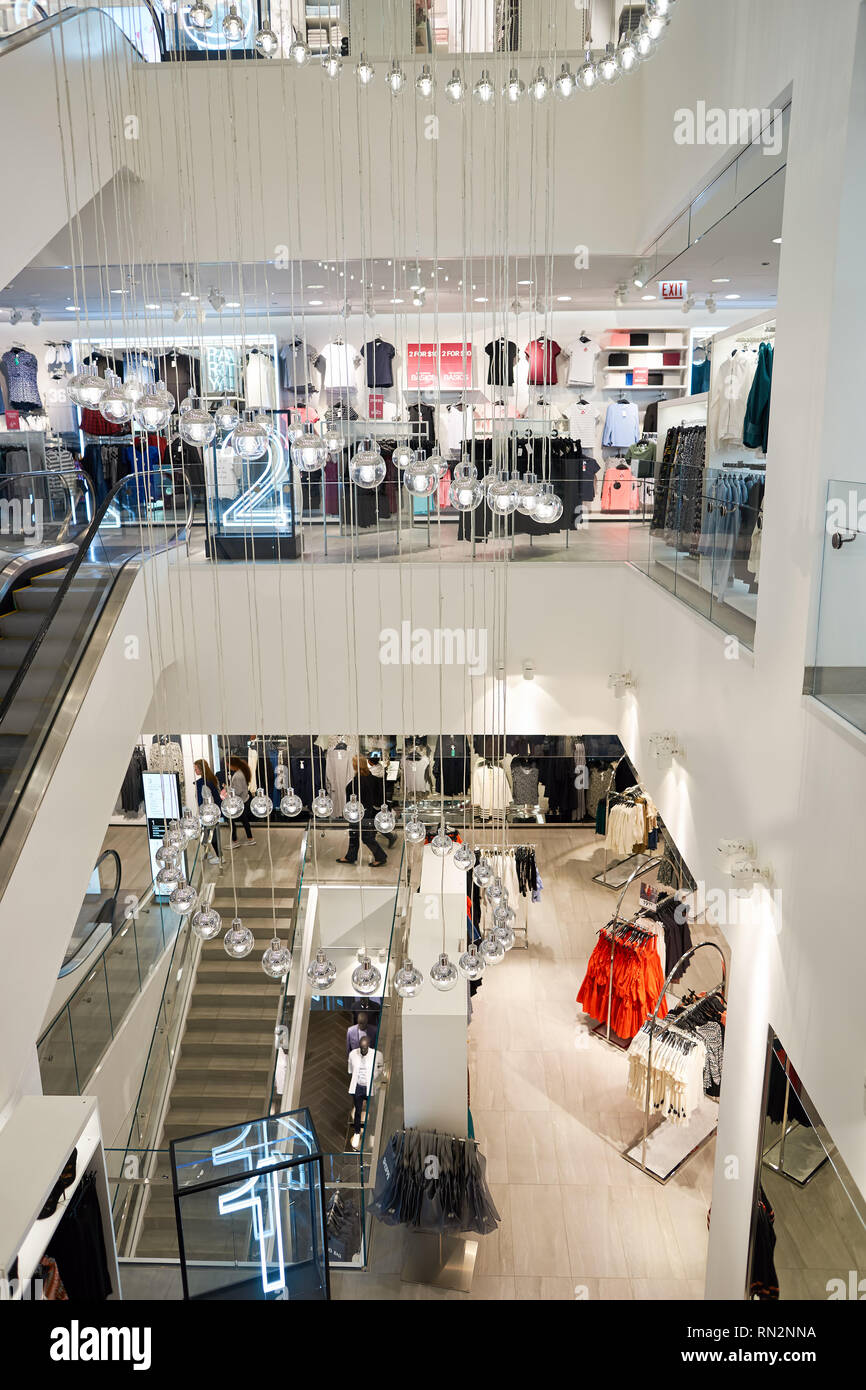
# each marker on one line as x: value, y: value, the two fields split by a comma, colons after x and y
x: 637, y: 984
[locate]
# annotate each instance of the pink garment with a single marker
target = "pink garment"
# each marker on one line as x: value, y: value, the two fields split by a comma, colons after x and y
x: 620, y: 491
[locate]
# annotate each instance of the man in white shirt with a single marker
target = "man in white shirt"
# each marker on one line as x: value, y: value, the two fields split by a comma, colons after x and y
x: 364, y: 1065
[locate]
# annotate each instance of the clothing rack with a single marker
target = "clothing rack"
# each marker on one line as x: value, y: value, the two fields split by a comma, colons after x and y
x: 522, y: 927
x: 628, y: 1154
x: 617, y: 920
x: 642, y: 864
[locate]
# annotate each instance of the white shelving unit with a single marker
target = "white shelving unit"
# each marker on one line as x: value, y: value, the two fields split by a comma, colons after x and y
x: 35, y: 1145
x: 661, y: 340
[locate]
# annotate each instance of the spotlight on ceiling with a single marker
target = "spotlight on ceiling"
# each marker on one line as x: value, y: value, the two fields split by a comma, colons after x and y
x: 16, y: 316
x: 36, y: 318
x: 178, y: 313
x: 688, y: 304
x: 620, y: 294
x: 639, y: 275
x: 710, y: 304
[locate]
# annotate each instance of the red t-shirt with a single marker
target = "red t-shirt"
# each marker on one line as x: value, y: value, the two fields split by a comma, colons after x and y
x: 541, y: 354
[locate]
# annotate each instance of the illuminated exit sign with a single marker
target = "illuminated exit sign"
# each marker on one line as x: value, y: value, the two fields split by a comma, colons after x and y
x: 673, y: 289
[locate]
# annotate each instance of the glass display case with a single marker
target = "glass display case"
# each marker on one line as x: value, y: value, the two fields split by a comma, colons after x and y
x: 250, y: 1208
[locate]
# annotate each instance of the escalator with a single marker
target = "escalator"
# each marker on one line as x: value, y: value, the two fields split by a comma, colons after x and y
x: 53, y: 596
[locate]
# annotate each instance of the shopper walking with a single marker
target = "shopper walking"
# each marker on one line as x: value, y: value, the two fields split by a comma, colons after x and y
x: 240, y: 781
x: 368, y: 790
x: 204, y: 777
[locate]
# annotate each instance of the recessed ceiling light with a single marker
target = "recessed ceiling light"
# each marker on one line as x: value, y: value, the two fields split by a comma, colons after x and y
x: 233, y: 304
x: 481, y: 299
x: 184, y: 294
x: 777, y: 241
x: 315, y: 287
x: 72, y: 308
x: 524, y: 282
x: 647, y: 296
x: 723, y: 280
x: 153, y: 306
x: 732, y: 296
x: 119, y: 291
x: 316, y: 303
x: 396, y: 301
x: 563, y: 298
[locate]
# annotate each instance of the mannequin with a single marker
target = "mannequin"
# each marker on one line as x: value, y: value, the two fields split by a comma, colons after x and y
x: 364, y: 1065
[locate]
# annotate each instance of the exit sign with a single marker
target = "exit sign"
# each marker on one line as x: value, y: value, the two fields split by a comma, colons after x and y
x: 673, y: 289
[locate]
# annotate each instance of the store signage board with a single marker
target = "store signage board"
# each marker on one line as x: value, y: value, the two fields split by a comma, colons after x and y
x: 673, y: 289
x: 446, y: 366
x: 161, y: 804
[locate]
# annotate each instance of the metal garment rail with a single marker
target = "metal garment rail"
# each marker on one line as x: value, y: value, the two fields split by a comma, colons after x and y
x: 526, y: 898
x: 674, y: 970
x: 611, y: 791
x: 641, y: 869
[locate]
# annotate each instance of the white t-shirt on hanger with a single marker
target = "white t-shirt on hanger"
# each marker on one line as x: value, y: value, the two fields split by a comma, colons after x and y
x: 341, y: 364
x: 581, y: 362
x: 583, y: 423
x: 260, y: 382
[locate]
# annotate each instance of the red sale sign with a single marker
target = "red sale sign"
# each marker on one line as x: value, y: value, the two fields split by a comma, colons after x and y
x: 447, y: 367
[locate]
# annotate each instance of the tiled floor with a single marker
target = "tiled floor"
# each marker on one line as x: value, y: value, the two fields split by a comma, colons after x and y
x: 552, y: 1116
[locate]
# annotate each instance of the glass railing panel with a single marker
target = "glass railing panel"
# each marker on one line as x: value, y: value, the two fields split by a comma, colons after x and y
x: 839, y: 677
x: 56, y: 1053
x: 89, y: 1011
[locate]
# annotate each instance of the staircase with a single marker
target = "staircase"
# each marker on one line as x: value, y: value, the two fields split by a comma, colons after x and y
x: 223, y: 1071
x: 51, y: 663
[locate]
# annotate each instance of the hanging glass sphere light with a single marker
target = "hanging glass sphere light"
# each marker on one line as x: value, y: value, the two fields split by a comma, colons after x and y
x: 250, y: 439
x: 514, y: 89
x: 86, y: 388
x: 238, y: 940
x: 309, y: 453
x: 471, y: 964
x: 646, y: 42
x: 627, y: 51
x: 455, y: 87
x: 658, y: 15
x: 321, y: 972
x: 226, y: 417
x: 188, y: 402
x: 261, y: 804
x: 466, y: 491
x: 503, y: 914
x: 233, y: 26
x: 298, y: 50
x: 492, y: 951
x: 184, y: 897
x: 587, y: 73
x: 403, y: 456
x: 174, y: 836
x: 424, y: 82
x: 539, y: 87
x: 395, y: 78
x: 353, y: 811
x: 484, y: 91
x: 504, y: 931
x: 168, y: 878
x: 206, y: 923
x: 443, y: 974
x: 421, y: 478
x: 197, y: 426
x: 608, y: 68
x: 548, y: 507
x: 233, y: 805
x: 566, y: 84
x: 189, y: 823
x: 527, y: 494
x: 332, y: 63
x: 502, y: 495
x: 482, y: 874
x: 464, y: 857
x: 384, y: 819
x: 276, y: 959
x: 208, y: 813
x: 323, y: 806
x: 367, y: 467
x: 153, y: 409
x: 114, y: 404
x: 408, y: 981
x: 166, y: 854
x: 267, y: 42
x: 365, y: 71
x: 494, y: 891
x: 291, y: 804
x: 414, y: 831
x: 441, y: 844
x: 201, y: 15
x: 134, y: 388
x: 366, y: 979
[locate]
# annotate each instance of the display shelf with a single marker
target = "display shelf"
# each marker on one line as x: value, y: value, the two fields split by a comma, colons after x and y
x: 672, y: 347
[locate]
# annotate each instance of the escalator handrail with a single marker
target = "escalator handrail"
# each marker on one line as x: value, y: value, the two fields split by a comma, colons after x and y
x: 19, y: 37
x: 78, y: 959
x: 57, y: 475
x: 69, y: 574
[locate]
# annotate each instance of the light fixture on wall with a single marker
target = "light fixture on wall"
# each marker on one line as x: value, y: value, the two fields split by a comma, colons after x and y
x: 619, y: 682
x: 529, y: 670
x: 664, y: 747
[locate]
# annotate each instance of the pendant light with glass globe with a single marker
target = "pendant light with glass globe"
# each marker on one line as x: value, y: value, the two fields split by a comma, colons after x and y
x: 267, y: 42
x: 321, y: 972
x: 455, y: 87
x: 424, y: 82
x: 250, y: 438
x: 200, y: 15
x: 277, y: 959
x: 539, y: 87
x: 153, y: 409
x: 238, y: 940
x: 514, y: 89
x: 86, y: 388
x: 408, y: 980
x: 364, y: 70
x: 233, y: 26
x: 421, y: 478
x: 367, y: 467
x: 565, y: 84
x: 114, y: 404
x: 332, y: 63
x: 206, y: 923
x: 484, y: 91
x: 466, y: 491
x: 197, y: 425
x: 226, y: 416
x: 395, y: 78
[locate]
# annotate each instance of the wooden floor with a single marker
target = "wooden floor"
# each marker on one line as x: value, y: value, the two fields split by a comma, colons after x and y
x: 552, y: 1116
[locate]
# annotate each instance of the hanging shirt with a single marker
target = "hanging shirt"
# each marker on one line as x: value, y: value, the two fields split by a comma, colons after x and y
x: 583, y: 424
x: 502, y: 355
x: 541, y: 354
x: 297, y: 361
x: 620, y: 491
x: 621, y: 425
x: 378, y: 357
x: 341, y: 360
x: 19, y: 368
x: 260, y: 382
x: 728, y: 399
x: 581, y: 362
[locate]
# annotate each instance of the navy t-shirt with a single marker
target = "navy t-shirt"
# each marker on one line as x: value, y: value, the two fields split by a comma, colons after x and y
x: 378, y: 357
